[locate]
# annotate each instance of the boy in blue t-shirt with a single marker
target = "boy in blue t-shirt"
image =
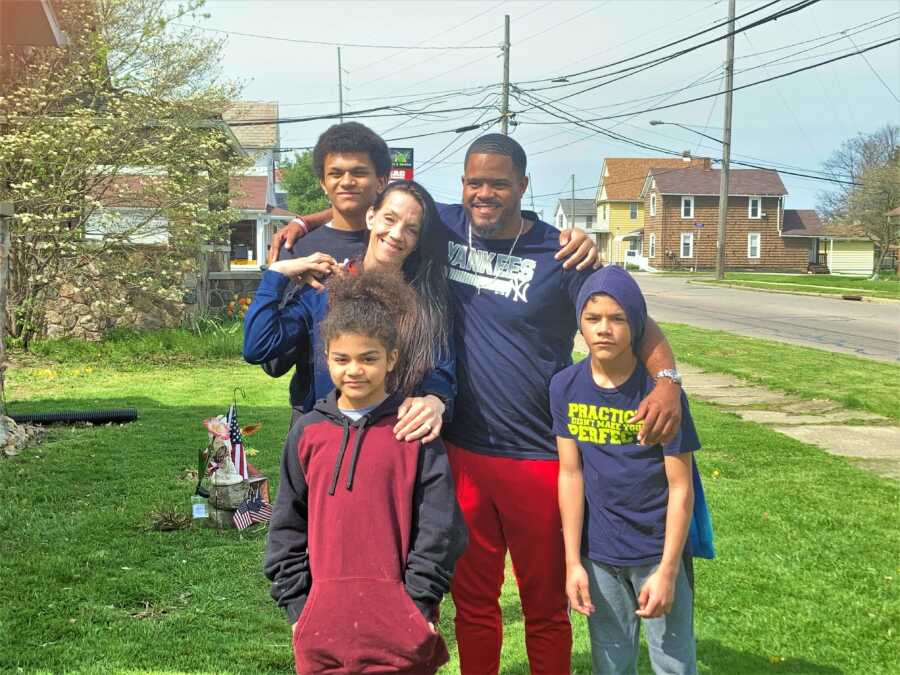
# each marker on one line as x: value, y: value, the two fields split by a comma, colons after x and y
x: 626, y: 508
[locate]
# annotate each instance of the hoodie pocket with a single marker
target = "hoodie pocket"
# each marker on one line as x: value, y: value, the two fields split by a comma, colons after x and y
x: 365, y: 625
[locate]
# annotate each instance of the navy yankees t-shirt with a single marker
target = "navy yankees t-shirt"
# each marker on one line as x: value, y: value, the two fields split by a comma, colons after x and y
x: 514, y: 322
x: 625, y: 483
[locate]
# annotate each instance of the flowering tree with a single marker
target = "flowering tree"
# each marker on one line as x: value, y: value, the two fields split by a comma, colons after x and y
x: 115, y: 157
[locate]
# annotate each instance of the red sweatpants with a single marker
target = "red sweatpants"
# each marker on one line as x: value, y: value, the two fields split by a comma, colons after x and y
x: 510, y: 503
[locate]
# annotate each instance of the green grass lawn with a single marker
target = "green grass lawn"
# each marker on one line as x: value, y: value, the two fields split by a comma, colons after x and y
x: 831, y: 284
x: 810, y: 373
x: 806, y: 580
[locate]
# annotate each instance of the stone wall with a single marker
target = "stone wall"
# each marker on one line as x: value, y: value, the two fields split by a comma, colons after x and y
x: 92, y: 303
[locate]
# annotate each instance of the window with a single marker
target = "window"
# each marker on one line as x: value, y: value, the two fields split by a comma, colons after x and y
x: 652, y: 203
x: 687, y: 207
x: 633, y: 213
x: 754, y: 207
x: 753, y: 241
x: 687, y: 244
x: 589, y: 221
x: 651, y: 247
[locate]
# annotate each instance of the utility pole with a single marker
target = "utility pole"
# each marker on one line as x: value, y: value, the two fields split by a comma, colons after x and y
x: 504, y: 103
x: 340, y: 88
x: 726, y: 146
x: 531, y: 193
x: 572, y: 224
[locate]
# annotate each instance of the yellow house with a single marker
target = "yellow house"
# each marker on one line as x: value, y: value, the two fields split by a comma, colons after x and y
x: 620, y: 208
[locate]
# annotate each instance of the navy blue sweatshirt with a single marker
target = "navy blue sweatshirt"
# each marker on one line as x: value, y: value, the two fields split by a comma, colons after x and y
x: 340, y: 245
x: 510, y: 337
x: 273, y: 326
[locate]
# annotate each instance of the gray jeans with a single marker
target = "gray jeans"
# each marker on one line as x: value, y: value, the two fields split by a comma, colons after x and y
x: 615, y: 628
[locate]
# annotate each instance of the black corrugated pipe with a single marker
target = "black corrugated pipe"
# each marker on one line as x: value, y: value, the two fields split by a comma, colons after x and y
x: 73, y: 416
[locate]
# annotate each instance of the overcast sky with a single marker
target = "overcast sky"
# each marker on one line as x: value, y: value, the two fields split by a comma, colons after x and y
x: 796, y: 121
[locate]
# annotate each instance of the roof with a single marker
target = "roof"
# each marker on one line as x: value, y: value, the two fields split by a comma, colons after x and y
x: 627, y: 174
x: 255, y: 136
x: 583, y: 207
x: 693, y: 181
x: 279, y: 212
x: 248, y: 193
x: 801, y: 223
x: 807, y: 223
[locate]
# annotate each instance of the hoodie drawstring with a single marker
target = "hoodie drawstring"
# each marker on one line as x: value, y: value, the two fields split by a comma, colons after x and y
x: 360, y: 432
x: 340, y: 457
x: 361, y: 427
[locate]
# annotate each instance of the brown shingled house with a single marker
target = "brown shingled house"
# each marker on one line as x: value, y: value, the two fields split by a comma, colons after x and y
x: 620, y: 206
x: 682, y: 215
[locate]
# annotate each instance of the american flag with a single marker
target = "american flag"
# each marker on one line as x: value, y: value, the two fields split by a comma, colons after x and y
x: 237, y: 443
x: 241, y: 516
x: 260, y: 509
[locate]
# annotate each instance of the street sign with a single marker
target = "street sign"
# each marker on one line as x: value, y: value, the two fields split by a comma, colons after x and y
x: 401, y: 163
x: 698, y: 224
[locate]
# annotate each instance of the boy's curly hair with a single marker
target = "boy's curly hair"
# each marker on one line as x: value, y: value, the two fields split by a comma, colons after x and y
x: 379, y: 306
x: 351, y: 137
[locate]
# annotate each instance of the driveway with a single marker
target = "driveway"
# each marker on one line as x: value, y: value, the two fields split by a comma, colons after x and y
x: 867, y: 329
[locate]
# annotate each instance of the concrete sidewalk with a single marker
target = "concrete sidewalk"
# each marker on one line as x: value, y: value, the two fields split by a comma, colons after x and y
x: 874, y: 443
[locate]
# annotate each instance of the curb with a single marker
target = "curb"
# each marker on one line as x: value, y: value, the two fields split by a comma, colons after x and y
x: 833, y: 296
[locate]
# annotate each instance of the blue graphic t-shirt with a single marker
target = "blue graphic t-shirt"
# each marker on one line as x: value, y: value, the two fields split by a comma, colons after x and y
x: 625, y: 483
x: 514, y: 322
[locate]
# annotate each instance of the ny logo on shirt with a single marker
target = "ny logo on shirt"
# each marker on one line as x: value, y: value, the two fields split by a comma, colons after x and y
x: 506, y: 275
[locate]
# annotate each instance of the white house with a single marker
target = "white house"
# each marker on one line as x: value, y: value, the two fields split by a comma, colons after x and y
x: 585, y: 218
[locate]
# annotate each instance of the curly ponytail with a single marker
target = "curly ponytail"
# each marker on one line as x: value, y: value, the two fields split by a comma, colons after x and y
x: 379, y: 306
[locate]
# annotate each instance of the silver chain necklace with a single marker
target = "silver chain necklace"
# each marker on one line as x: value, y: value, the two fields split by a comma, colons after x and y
x: 511, y: 248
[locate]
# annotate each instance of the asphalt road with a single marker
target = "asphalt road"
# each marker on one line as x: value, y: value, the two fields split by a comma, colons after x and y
x: 867, y: 329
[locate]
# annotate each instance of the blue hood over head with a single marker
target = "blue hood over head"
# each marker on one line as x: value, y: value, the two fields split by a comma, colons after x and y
x: 621, y: 287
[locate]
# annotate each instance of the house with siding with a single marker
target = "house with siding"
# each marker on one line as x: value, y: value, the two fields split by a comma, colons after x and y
x: 256, y: 193
x: 581, y: 214
x: 619, y: 204
x: 834, y: 248
x: 682, y: 215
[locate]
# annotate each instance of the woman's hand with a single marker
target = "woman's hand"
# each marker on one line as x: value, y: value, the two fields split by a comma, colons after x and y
x: 419, y: 418
x: 309, y: 270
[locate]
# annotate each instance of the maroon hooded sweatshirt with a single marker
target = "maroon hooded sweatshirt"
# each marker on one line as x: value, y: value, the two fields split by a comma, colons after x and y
x: 364, y: 536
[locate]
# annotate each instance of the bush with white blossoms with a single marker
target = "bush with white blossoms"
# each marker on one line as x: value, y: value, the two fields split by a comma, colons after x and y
x: 124, y: 116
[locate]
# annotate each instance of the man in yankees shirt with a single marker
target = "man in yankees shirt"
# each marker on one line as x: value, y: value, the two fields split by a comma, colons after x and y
x: 514, y: 322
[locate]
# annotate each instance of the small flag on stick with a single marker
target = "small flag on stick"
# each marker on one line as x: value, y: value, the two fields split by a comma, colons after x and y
x: 241, y: 516
x: 236, y: 440
x: 260, y: 509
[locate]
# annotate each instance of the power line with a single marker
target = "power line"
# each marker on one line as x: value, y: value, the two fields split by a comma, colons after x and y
x: 872, y: 68
x: 357, y: 114
x: 667, y: 45
x: 702, y: 81
x: 436, y: 35
x: 630, y: 71
x: 646, y: 146
x: 743, y: 86
x: 321, y: 43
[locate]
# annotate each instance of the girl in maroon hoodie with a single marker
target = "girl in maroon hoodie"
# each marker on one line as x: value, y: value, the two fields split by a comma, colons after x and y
x: 366, y: 529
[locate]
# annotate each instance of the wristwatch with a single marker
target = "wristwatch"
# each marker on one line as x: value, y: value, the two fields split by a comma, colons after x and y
x: 670, y: 374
